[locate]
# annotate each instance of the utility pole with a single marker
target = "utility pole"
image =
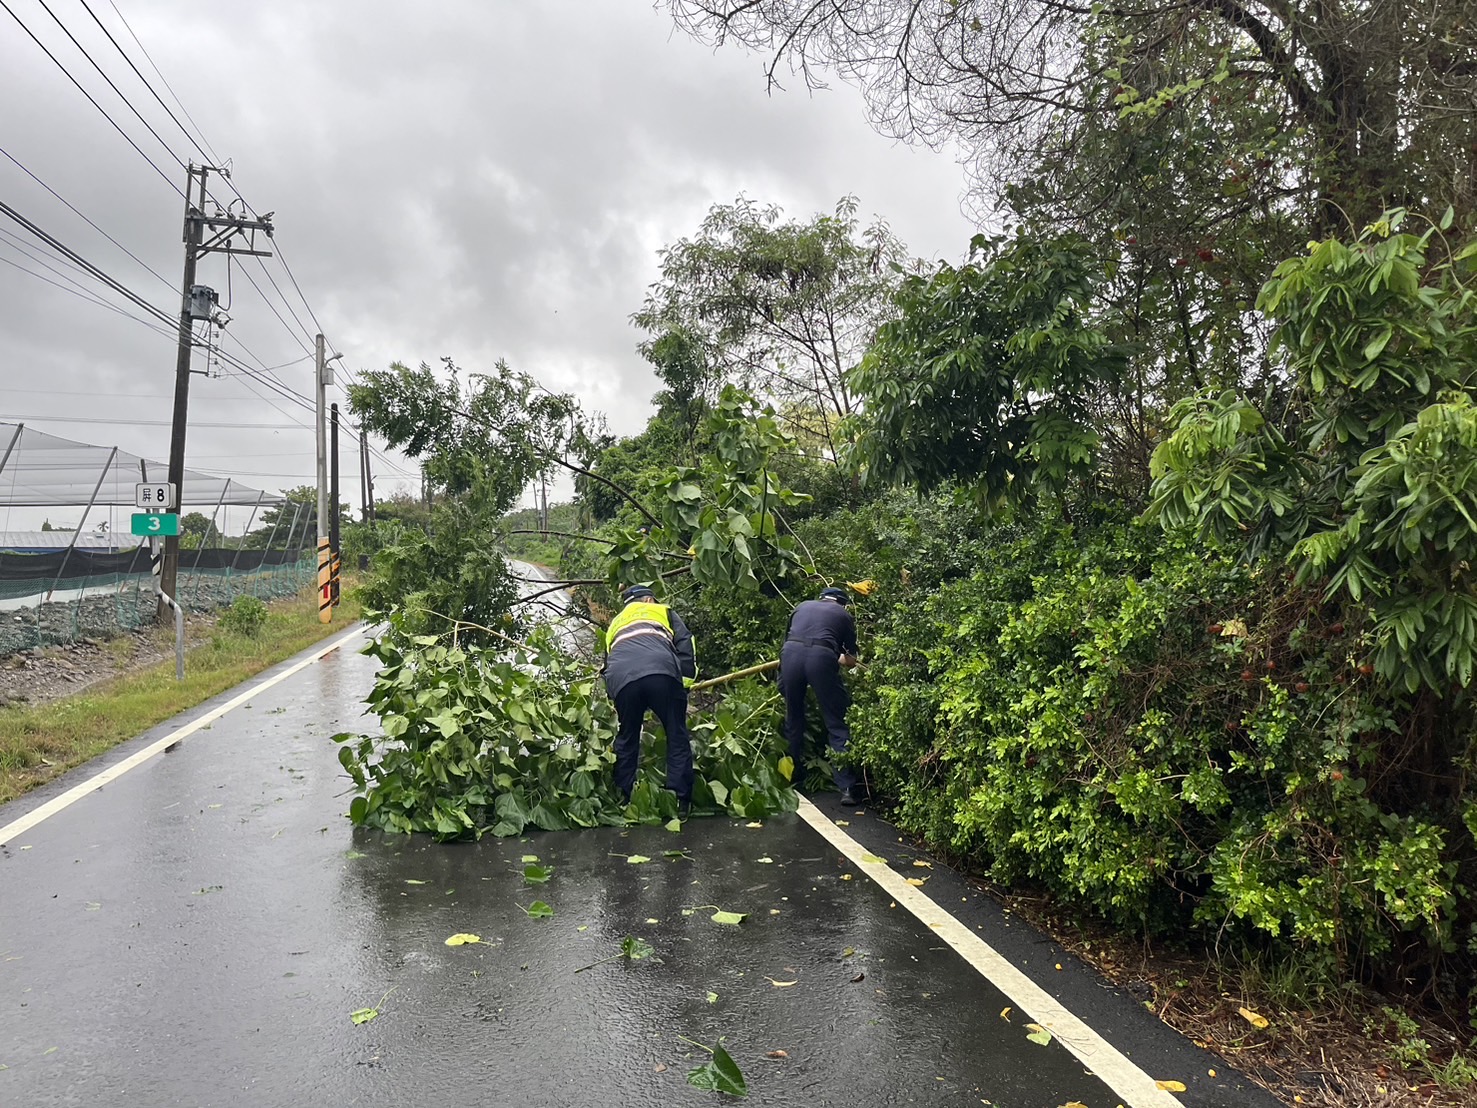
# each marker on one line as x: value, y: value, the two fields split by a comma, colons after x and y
x: 321, y: 375
x: 333, y: 543
x: 197, y: 302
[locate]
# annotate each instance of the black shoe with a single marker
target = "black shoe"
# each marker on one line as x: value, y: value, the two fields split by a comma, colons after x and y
x: 684, y: 808
x: 850, y: 798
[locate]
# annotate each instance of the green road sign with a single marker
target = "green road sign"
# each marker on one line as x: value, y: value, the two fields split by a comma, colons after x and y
x: 165, y: 523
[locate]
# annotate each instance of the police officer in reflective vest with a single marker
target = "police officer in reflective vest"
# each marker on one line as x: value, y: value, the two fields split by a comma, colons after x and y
x: 648, y: 653
x: 821, y: 639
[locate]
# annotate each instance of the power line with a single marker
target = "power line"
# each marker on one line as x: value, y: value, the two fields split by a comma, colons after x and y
x: 79, y: 291
x: 101, y: 73
x: 144, y: 80
x: 15, y: 418
x: 90, y: 98
x: 89, y: 222
x: 91, y: 269
x: 165, y: 80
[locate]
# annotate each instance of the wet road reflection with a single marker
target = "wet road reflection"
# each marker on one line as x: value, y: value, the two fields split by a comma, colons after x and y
x: 198, y: 933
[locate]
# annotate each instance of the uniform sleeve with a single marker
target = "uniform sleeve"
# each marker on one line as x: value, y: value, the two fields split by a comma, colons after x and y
x: 682, y: 644
x: 848, y: 635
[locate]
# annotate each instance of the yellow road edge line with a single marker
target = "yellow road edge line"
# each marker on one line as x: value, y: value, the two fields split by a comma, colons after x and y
x: 1104, y: 1060
x: 138, y: 758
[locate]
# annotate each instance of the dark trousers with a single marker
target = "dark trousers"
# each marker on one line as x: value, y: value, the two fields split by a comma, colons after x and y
x: 667, y: 698
x: 815, y: 667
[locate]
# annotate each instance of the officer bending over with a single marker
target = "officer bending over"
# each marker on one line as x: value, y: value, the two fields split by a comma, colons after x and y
x: 648, y: 653
x: 821, y: 639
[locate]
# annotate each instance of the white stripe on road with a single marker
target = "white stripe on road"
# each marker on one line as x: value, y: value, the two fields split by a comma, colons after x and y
x: 1136, y: 1087
x: 112, y: 773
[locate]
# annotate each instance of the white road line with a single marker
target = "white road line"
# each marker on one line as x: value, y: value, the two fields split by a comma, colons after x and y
x: 112, y: 773
x: 1136, y: 1087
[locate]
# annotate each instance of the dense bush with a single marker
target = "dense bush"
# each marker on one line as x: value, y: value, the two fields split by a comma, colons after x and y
x: 1167, y: 737
x: 246, y: 617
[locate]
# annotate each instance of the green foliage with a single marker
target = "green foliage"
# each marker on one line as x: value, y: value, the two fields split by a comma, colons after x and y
x: 478, y: 739
x: 724, y: 515
x: 989, y: 374
x: 1364, y: 477
x: 246, y: 617
x: 1167, y: 738
x: 780, y: 308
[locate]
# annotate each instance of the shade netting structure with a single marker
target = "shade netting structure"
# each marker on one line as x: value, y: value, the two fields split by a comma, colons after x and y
x: 38, y: 470
x: 73, y: 593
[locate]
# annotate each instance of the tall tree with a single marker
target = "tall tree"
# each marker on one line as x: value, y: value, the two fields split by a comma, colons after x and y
x: 1385, y: 90
x: 782, y: 308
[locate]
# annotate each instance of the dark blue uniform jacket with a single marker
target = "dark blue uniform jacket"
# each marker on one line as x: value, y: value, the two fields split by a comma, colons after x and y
x: 823, y: 623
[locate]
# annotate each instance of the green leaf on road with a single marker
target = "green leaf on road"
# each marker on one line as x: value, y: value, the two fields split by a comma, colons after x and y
x: 539, y: 910
x: 733, y: 918
x: 636, y: 859
x: 721, y: 1075
x: 537, y: 875
x: 462, y: 938
x: 1038, y: 1034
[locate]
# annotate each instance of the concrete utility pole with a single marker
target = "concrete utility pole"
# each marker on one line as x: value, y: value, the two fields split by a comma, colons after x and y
x: 333, y: 537
x: 323, y: 375
x: 197, y: 303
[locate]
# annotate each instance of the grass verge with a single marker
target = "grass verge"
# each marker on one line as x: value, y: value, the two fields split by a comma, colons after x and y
x: 40, y: 742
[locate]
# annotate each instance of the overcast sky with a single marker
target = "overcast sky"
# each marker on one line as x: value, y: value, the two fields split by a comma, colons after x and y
x: 479, y: 180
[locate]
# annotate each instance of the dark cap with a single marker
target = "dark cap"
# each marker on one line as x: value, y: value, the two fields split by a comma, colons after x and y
x: 838, y: 595
x: 634, y: 592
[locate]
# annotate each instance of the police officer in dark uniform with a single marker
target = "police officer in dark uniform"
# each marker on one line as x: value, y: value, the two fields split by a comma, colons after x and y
x: 821, y: 639
x: 648, y: 653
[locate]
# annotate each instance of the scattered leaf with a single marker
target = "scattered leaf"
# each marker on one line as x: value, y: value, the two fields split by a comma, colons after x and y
x: 673, y: 824
x: 462, y: 938
x: 537, y: 875
x: 843, y: 823
x: 213, y: 806
x: 363, y: 1015
x: 660, y: 1067
x: 636, y: 859
x: 873, y: 859
x: 688, y: 911
x: 778, y: 1054
x: 49, y: 1050
x: 528, y: 858
x: 848, y: 952
x: 734, y: 918
x: 352, y: 854
x: 787, y: 767
x: 1171, y: 1086
x: 846, y: 877
x: 1038, y: 1034
x: 1074, y: 1104
x: 1254, y: 1018
x: 539, y: 910
x: 721, y: 1074
x: 754, y: 823
x: 413, y: 881
x: 207, y: 890
x: 781, y: 984
x: 922, y: 864
x: 583, y: 927
x: 858, y: 978
x: 712, y: 998
x: 916, y: 880
x: 652, y: 920
x: 766, y: 860
x: 636, y: 949
x: 1005, y: 1013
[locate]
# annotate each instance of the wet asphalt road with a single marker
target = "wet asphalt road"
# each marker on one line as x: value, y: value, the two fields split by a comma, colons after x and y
x: 199, y: 931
